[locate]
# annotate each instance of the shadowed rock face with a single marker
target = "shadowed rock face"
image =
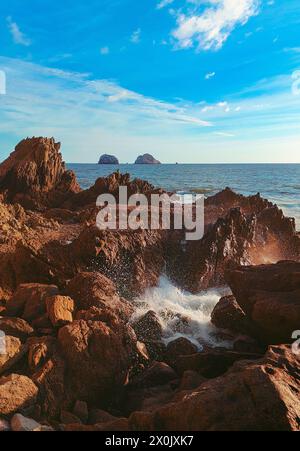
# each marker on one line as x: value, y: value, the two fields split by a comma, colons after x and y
x: 146, y: 159
x: 34, y: 171
x: 108, y: 159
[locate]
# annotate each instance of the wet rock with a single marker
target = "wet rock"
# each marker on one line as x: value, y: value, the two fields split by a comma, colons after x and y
x: 181, y: 346
x: 159, y: 373
x: 60, y: 310
x: 148, y: 327
x: 16, y: 392
x: 95, y: 290
x: 228, y: 314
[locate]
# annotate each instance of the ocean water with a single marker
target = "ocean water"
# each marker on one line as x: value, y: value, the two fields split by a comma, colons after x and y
x: 182, y: 314
x: 280, y: 183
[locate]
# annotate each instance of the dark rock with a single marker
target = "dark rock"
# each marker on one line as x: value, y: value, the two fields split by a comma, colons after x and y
x: 146, y: 159
x: 108, y: 159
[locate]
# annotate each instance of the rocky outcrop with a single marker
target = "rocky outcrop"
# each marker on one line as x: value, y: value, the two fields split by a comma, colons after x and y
x: 108, y: 159
x: 252, y: 396
x: 146, y: 159
x: 269, y: 295
x: 34, y: 174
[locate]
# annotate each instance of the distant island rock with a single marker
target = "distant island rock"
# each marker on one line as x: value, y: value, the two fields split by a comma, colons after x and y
x: 146, y: 159
x: 108, y: 159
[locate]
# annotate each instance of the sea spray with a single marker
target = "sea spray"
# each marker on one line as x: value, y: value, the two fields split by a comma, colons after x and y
x: 182, y: 314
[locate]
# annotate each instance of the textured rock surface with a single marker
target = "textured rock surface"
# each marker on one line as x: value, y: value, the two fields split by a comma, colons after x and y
x: 270, y: 296
x: 60, y: 310
x: 16, y: 392
x: 257, y: 396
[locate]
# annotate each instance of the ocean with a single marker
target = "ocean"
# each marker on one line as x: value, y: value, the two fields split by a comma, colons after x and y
x: 279, y: 183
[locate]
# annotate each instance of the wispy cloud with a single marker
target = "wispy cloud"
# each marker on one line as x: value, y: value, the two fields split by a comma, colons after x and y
x: 209, y: 28
x: 18, y: 36
x: 210, y: 75
x: 104, y: 50
x: 135, y: 38
x: 164, y: 3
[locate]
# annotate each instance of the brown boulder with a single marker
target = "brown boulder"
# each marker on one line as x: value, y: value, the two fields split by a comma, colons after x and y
x: 16, y: 392
x: 98, y: 358
x: 60, y: 310
x: 148, y: 327
x: 252, y: 396
x: 93, y: 289
x: 180, y: 346
x: 16, y: 327
x: 29, y: 300
x: 227, y: 314
x: 270, y: 296
x: 13, y: 352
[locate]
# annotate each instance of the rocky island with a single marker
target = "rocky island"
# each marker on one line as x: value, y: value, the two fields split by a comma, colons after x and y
x: 73, y: 357
x: 108, y: 159
x: 146, y: 159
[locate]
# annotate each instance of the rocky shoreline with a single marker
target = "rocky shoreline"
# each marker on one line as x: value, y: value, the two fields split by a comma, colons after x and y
x: 74, y: 358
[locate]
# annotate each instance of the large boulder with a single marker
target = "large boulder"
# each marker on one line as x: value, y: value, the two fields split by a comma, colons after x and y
x: 270, y: 297
x: 98, y: 358
x: 16, y: 392
x: 228, y: 314
x: 253, y: 396
x: 93, y: 289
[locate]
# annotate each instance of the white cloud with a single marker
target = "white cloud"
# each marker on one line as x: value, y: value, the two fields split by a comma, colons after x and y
x: 136, y: 36
x: 210, y: 75
x: 210, y: 28
x: 164, y: 3
x: 18, y: 36
x: 104, y: 50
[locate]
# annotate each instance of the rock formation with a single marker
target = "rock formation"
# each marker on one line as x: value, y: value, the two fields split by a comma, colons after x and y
x: 108, y: 159
x: 146, y: 159
x: 74, y: 357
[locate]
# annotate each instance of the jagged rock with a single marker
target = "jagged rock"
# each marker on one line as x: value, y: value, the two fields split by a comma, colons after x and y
x: 270, y: 296
x: 16, y: 327
x: 60, y: 310
x: 148, y: 327
x: 34, y: 170
x: 146, y: 159
x: 227, y: 314
x: 16, y: 392
x: 108, y: 159
x: 253, y: 396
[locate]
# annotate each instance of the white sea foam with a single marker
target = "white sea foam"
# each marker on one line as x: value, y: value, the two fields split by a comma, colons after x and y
x: 182, y: 314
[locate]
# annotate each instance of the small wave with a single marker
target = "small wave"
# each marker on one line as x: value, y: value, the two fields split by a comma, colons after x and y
x: 182, y: 314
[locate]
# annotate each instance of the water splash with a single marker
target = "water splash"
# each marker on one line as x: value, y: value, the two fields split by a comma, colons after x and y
x: 183, y: 314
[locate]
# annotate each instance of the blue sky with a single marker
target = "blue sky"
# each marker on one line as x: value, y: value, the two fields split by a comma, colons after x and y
x: 187, y: 80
